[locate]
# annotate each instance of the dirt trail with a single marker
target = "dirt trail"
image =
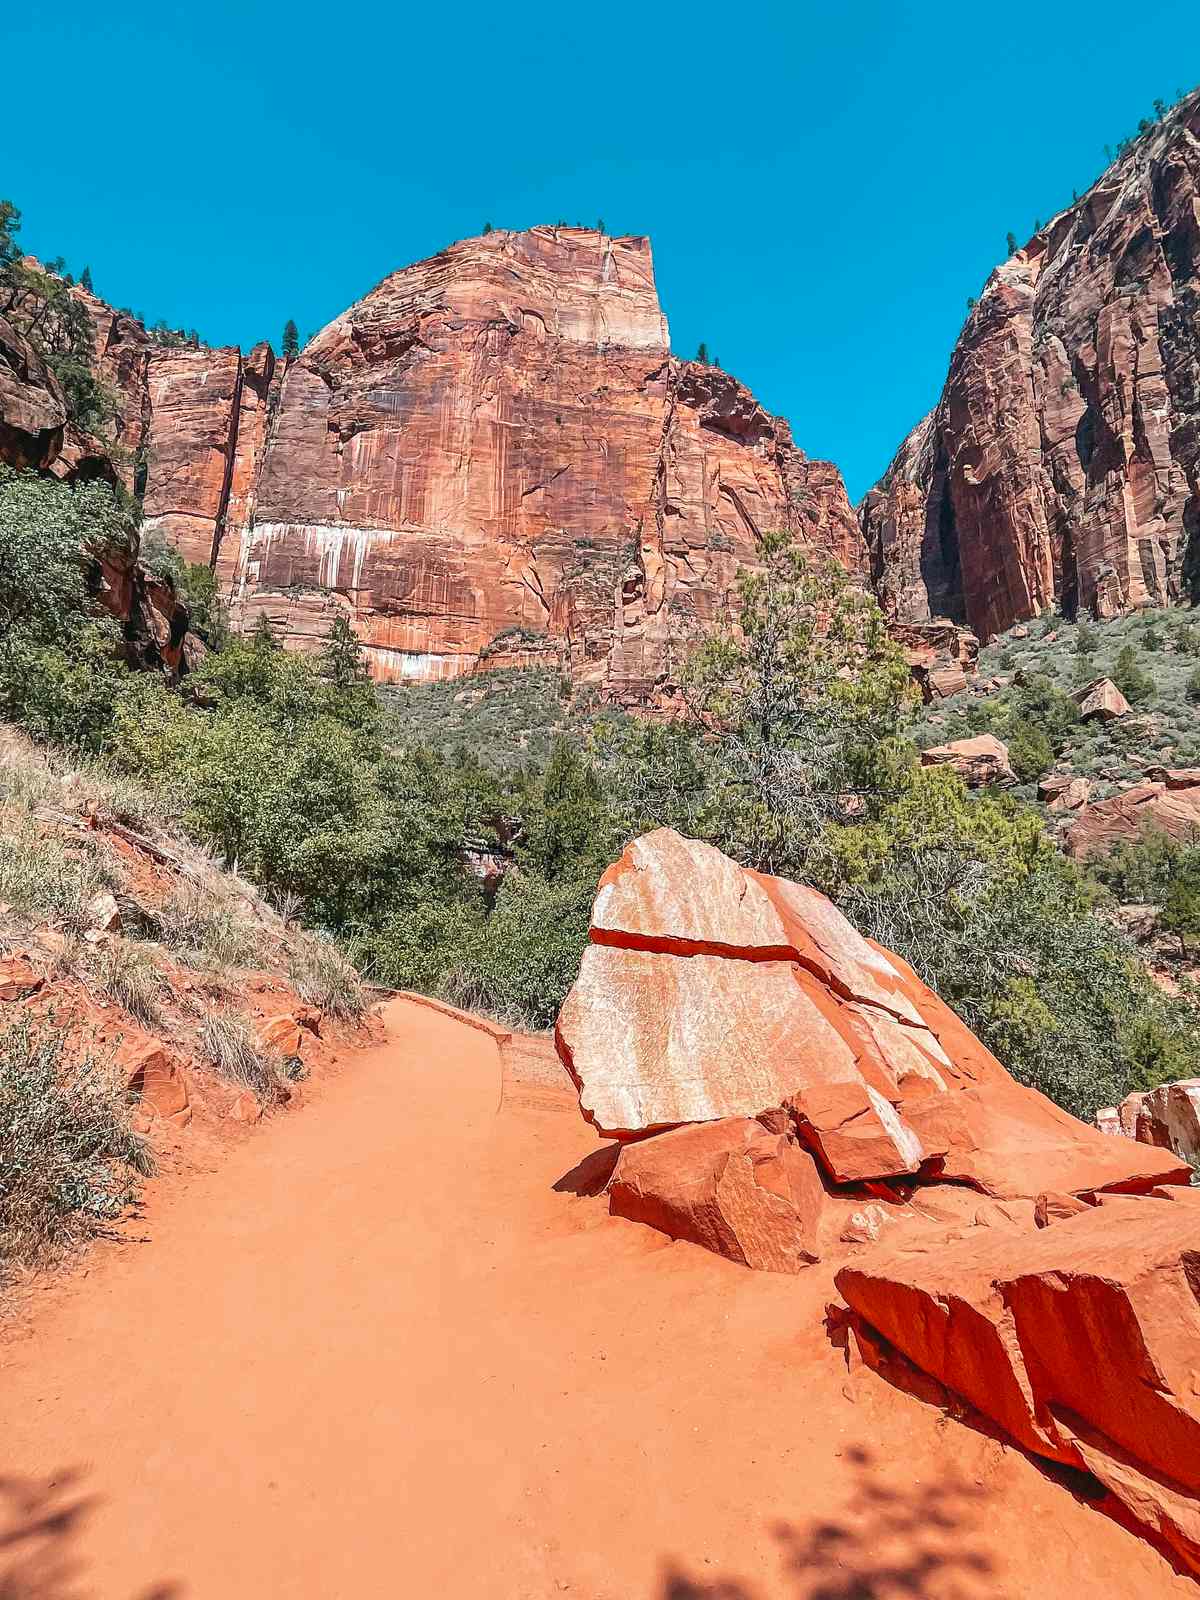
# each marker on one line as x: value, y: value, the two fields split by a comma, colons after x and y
x: 376, y: 1354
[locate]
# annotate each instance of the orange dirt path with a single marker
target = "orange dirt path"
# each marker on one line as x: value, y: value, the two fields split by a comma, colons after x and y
x: 375, y: 1354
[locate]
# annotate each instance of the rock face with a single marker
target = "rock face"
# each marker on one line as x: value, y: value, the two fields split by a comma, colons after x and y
x: 492, y: 457
x: 942, y: 657
x: 1168, y: 803
x: 35, y: 435
x: 1062, y: 463
x: 496, y: 451
x: 193, y: 426
x: 1079, y: 1340
x: 33, y: 416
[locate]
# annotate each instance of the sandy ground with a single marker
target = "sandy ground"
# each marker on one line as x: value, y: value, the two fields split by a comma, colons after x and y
x: 377, y: 1353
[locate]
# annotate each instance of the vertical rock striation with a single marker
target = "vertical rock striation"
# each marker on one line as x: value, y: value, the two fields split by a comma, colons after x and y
x: 1062, y: 463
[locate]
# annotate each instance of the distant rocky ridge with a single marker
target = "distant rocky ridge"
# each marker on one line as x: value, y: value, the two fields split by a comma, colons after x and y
x: 1062, y: 463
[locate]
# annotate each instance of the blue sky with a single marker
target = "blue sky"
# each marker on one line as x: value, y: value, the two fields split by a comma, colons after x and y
x: 824, y: 185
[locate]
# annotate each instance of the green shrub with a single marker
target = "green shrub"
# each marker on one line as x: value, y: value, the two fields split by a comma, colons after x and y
x: 1134, y: 682
x: 69, y: 1161
x: 1086, y: 639
x: 521, y: 962
x: 1029, y: 751
x: 1041, y: 704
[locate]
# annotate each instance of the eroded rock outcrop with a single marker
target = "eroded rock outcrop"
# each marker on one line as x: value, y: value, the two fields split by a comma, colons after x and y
x: 980, y: 760
x: 1080, y: 1341
x: 33, y: 414
x: 787, y: 1092
x: 1062, y: 463
x: 1167, y: 803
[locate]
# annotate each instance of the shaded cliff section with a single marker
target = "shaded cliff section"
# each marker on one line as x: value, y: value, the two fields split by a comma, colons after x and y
x: 36, y: 434
x: 1062, y: 464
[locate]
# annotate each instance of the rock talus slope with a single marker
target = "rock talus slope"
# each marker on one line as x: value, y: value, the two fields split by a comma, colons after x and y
x: 1062, y: 463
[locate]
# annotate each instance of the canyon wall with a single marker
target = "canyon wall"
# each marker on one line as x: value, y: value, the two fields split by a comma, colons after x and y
x: 491, y: 457
x: 495, y: 456
x: 1062, y: 463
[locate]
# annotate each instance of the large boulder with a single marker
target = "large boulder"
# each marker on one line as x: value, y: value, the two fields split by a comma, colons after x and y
x: 1169, y: 1118
x: 979, y: 760
x: 710, y: 992
x: 1101, y: 701
x: 1079, y: 1340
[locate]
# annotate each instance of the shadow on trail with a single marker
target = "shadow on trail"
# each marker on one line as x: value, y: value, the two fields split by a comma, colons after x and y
x: 41, y: 1520
x: 894, y: 1541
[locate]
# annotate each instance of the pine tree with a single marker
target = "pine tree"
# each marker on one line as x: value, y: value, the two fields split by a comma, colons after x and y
x: 263, y: 636
x: 85, y: 280
x: 487, y: 227
x: 1011, y: 242
x: 291, y: 338
x: 702, y: 354
x: 600, y: 225
x: 342, y: 660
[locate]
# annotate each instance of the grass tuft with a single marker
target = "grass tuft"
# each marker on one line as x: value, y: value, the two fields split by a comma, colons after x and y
x: 69, y: 1161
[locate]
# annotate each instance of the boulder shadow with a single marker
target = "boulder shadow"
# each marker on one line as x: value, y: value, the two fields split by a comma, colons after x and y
x: 588, y: 1177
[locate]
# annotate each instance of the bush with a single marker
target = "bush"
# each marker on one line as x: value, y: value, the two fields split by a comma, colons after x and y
x: 1042, y: 705
x: 69, y: 1161
x: 1193, y: 687
x: 521, y: 962
x: 1029, y: 751
x: 1134, y: 682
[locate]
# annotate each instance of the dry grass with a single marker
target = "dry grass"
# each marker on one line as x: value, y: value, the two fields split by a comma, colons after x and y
x: 128, y: 974
x: 228, y: 1045
x: 69, y: 1161
x: 321, y: 975
x: 208, y: 927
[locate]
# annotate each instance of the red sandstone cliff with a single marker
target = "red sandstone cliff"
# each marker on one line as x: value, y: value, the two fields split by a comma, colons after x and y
x: 493, y: 456
x: 1062, y: 463
x: 497, y: 445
